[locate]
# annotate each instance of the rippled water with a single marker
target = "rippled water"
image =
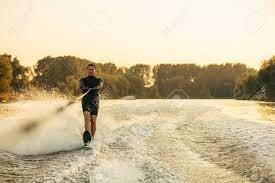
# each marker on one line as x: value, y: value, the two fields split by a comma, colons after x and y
x: 141, y: 141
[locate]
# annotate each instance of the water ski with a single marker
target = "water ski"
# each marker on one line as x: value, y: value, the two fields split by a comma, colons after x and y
x: 88, y: 146
x: 86, y: 137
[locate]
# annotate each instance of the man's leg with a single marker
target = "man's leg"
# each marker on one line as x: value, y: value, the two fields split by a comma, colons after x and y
x: 87, y: 119
x: 93, y: 125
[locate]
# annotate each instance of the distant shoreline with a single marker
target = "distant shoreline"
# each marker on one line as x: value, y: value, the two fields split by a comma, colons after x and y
x: 61, y: 75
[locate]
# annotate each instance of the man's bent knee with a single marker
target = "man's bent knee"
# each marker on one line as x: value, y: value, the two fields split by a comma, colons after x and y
x: 93, y: 117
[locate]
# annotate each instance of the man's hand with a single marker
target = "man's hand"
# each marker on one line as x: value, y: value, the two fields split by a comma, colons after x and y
x: 100, y: 86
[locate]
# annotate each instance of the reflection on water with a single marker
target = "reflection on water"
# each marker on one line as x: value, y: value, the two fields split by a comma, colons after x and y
x: 252, y: 110
x: 267, y: 111
x: 142, y: 141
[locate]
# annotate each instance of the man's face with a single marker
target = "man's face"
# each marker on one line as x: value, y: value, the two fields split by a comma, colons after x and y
x: 91, y: 70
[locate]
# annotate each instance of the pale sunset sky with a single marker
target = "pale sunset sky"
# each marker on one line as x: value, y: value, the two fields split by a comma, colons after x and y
x: 127, y: 32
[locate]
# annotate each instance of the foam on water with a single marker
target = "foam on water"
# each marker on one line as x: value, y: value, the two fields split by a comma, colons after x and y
x: 141, y: 140
x: 62, y: 132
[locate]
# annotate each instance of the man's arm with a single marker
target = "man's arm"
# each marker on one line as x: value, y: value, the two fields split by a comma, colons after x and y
x: 82, y: 86
x: 100, y: 85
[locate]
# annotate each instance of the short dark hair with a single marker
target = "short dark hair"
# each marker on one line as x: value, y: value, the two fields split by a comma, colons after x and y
x: 92, y: 65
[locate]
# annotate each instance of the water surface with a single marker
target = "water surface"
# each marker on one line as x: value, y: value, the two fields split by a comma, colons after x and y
x: 141, y: 141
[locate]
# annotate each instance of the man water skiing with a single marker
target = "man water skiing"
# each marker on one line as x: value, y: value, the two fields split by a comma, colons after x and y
x: 90, y: 102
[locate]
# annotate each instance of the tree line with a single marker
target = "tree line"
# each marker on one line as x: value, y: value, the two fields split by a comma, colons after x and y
x: 13, y: 76
x: 257, y: 85
x: 62, y: 74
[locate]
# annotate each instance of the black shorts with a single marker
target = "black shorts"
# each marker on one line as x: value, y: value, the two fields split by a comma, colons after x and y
x: 91, y: 105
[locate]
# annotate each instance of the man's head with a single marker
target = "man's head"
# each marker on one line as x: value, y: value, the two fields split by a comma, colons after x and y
x: 91, y: 69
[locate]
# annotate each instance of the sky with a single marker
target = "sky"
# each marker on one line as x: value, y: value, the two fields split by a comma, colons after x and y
x: 127, y: 32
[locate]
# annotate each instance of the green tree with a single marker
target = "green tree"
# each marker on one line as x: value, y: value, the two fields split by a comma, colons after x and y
x: 60, y: 72
x: 220, y: 79
x: 168, y: 77
x: 5, y: 76
x: 137, y: 86
x: 247, y: 86
x: 267, y: 77
x: 116, y: 86
x: 20, y: 77
x: 142, y: 71
x: 108, y: 68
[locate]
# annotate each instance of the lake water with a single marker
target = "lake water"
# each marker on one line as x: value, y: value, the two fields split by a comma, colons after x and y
x: 140, y: 141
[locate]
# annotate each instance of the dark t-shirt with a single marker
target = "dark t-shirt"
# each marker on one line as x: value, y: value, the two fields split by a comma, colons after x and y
x: 90, y: 82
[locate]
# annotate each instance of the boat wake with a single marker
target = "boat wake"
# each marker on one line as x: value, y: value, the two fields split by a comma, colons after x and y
x: 141, y: 141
